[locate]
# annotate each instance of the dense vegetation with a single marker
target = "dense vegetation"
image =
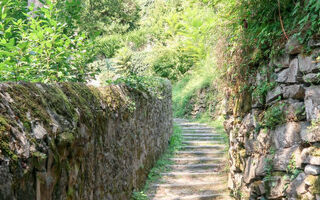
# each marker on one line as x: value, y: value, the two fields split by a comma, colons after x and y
x: 196, y: 44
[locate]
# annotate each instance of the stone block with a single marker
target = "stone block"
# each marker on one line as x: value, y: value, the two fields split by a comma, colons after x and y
x: 258, y: 142
x: 264, y: 140
x: 309, y: 133
x: 281, y: 61
x: 313, y: 183
x: 277, y: 186
x: 257, y: 189
x: 249, y: 172
x: 313, y: 78
x: 294, y: 92
x: 287, y: 135
x: 314, y: 42
x: 294, y: 110
x: 230, y: 181
x: 311, y: 156
x: 297, y: 186
x: 291, y: 74
x: 312, y: 170
x: 293, y: 46
x: 312, y: 103
x: 307, y: 64
x: 261, y: 165
x: 274, y: 94
x: 282, y: 158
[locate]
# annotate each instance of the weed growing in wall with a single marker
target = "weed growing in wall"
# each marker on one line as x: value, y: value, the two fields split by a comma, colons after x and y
x: 274, y: 116
x: 261, y: 90
x: 268, y: 169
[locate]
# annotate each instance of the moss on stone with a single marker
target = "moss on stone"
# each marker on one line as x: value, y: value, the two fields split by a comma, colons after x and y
x: 65, y: 138
x: 116, y: 99
x: 27, y: 99
x: 314, y: 183
x: 70, y: 193
x: 315, y: 151
x: 57, y: 101
x: 39, y: 160
x: 5, y: 147
x: 278, y: 174
x: 243, y: 153
x: 3, y: 124
x: 82, y: 98
x: 4, y: 139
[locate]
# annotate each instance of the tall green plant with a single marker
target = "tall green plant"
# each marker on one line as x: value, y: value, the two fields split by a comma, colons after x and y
x: 41, y: 48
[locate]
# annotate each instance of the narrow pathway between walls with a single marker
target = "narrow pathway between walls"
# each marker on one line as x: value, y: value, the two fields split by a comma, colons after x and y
x: 198, y: 172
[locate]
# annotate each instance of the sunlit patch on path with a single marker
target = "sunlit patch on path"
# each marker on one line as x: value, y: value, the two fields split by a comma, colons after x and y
x: 198, y: 170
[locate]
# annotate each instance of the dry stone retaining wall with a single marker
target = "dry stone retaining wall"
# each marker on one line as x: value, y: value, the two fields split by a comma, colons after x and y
x: 280, y: 161
x: 71, y: 141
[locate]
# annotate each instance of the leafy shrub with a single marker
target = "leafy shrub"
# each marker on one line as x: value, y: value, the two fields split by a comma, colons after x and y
x: 150, y: 85
x: 165, y: 63
x: 107, y: 17
x: 108, y: 45
x: 37, y: 48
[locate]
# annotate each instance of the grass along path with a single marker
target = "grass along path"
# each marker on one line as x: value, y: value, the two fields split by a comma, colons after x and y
x: 175, y: 144
x: 193, y: 167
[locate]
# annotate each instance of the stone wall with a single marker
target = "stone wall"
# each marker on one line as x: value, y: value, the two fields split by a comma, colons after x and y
x: 275, y: 146
x: 71, y: 141
x: 206, y: 100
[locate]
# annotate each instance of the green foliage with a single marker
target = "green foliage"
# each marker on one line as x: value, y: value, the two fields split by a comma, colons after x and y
x: 40, y: 49
x: 274, y: 116
x: 264, y: 30
x: 186, y: 88
x: 108, y: 45
x: 292, y: 171
x: 261, y: 90
x: 173, y: 37
x: 107, y: 17
x: 175, y: 141
x: 186, y: 27
x: 165, y: 63
x: 145, y: 84
x: 139, y: 196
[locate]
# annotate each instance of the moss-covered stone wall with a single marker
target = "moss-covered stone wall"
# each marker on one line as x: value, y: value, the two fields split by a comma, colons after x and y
x: 274, y: 128
x: 71, y: 141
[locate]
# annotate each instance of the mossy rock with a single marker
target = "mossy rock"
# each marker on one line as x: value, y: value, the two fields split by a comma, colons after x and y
x: 27, y: 98
x: 314, y: 184
x: 315, y: 151
x: 5, y: 139
x: 39, y: 160
x: 4, y: 126
x: 243, y: 153
x: 65, y: 138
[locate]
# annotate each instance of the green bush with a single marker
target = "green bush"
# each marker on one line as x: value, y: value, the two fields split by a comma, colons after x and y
x: 108, y: 45
x: 38, y: 49
x: 108, y: 17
